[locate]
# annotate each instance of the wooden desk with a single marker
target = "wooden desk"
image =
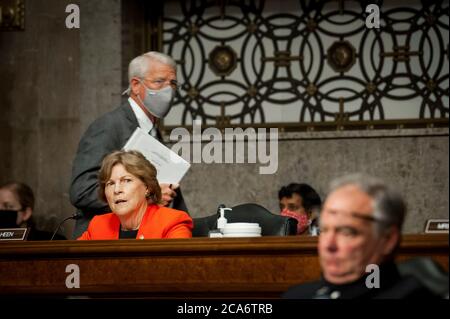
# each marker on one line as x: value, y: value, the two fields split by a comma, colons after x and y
x: 197, y: 267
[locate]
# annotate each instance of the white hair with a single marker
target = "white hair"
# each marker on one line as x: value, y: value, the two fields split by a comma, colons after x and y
x: 140, y: 65
x: 389, y: 207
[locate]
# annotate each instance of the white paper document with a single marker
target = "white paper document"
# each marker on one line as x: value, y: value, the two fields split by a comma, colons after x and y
x: 170, y: 166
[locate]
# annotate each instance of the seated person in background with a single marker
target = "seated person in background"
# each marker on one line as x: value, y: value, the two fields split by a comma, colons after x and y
x: 360, y: 225
x: 128, y: 184
x: 300, y: 201
x: 16, y: 210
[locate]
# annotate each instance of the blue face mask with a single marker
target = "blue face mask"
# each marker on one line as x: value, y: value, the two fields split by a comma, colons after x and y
x: 158, y: 102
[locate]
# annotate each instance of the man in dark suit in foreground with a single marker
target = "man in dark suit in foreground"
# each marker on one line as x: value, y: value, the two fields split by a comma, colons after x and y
x: 152, y: 86
x: 360, y: 229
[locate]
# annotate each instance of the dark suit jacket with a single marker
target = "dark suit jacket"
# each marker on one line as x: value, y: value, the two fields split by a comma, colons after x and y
x: 106, y: 134
x: 392, y: 286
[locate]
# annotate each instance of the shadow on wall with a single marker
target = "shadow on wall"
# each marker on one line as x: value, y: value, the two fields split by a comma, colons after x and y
x: 6, y: 86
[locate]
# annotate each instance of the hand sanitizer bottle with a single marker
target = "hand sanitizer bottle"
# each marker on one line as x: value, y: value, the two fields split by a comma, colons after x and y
x: 222, y: 221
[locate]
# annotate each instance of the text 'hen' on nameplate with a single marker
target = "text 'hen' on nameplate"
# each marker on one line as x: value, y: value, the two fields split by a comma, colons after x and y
x: 13, y: 233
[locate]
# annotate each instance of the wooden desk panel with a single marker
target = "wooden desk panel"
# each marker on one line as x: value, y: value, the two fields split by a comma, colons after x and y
x: 197, y: 267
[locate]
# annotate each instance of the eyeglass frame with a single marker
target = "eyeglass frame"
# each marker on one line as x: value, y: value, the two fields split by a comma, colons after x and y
x: 160, y: 83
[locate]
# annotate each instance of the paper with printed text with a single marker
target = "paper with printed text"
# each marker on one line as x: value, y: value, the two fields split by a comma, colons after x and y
x: 170, y: 166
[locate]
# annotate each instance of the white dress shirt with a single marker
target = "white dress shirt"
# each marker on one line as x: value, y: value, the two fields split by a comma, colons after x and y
x: 144, y: 122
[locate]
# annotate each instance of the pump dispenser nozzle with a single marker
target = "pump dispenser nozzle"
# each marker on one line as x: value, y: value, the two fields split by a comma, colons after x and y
x: 219, y: 208
x: 222, y: 221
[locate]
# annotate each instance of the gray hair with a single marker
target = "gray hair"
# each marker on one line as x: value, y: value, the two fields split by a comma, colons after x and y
x: 140, y: 65
x: 389, y: 207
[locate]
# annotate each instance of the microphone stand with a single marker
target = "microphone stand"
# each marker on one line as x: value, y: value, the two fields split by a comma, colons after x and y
x: 75, y: 216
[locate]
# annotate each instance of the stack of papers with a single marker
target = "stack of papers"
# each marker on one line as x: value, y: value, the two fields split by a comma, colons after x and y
x: 170, y: 166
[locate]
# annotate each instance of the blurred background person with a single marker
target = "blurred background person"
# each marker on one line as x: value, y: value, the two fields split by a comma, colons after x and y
x: 301, y: 201
x: 16, y: 210
x: 360, y: 226
x: 128, y: 184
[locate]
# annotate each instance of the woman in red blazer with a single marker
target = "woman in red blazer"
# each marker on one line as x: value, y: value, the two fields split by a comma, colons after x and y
x: 128, y: 183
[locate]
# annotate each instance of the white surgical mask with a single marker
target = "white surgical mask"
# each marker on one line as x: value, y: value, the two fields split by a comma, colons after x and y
x: 158, y: 102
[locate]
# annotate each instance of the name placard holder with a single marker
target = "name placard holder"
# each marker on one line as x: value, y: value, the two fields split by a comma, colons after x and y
x: 10, y: 234
x: 436, y: 226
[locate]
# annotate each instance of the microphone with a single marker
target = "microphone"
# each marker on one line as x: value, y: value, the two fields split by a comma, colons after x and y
x: 75, y: 216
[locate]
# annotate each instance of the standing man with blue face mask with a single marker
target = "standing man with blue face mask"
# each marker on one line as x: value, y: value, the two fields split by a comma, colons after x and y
x: 152, y: 87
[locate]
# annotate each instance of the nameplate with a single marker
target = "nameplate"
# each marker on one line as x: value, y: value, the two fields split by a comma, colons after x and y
x: 437, y: 226
x: 13, y: 233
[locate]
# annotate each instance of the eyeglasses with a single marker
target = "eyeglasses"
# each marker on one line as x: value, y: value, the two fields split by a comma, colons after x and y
x: 158, y: 84
x: 368, y: 218
x: 361, y: 216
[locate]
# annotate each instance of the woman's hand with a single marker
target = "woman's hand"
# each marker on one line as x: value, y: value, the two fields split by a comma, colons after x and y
x: 168, y: 193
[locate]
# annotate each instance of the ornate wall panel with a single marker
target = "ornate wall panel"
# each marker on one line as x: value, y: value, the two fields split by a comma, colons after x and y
x: 12, y: 15
x: 309, y: 65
